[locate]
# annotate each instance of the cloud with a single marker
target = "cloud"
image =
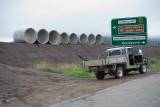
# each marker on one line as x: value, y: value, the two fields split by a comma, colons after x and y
x: 79, y: 16
x: 55, y: 9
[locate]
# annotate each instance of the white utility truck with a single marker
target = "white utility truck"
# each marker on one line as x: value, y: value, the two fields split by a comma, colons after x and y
x: 117, y: 61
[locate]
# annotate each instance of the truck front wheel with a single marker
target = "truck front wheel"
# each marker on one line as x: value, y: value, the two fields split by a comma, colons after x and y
x: 118, y: 73
x: 100, y: 75
x: 143, y: 69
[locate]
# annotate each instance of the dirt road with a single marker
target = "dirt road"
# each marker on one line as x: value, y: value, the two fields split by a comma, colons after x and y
x: 142, y: 92
x: 35, y: 88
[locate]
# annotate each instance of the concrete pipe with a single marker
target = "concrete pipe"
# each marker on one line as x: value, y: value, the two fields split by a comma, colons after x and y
x: 42, y: 36
x: 99, y: 39
x: 83, y: 38
x: 91, y: 39
x: 64, y: 38
x: 26, y: 35
x: 73, y: 39
x: 54, y: 37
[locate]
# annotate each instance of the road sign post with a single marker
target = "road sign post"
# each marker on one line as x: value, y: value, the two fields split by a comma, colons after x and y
x: 129, y: 31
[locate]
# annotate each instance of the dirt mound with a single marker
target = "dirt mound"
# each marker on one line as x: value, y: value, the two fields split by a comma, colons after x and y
x: 23, y: 55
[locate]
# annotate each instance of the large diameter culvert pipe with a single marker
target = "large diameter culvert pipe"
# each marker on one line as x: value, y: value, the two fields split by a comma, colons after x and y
x: 91, y: 39
x: 25, y: 35
x: 64, y: 38
x: 73, y: 39
x: 83, y: 38
x: 99, y: 39
x: 42, y: 36
x: 54, y: 37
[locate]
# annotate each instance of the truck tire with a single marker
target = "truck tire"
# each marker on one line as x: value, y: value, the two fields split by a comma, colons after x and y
x: 119, y: 73
x: 100, y: 75
x: 143, y: 69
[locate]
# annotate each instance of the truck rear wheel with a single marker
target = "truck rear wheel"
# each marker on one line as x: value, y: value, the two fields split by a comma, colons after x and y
x: 119, y: 73
x: 100, y: 75
x: 143, y: 69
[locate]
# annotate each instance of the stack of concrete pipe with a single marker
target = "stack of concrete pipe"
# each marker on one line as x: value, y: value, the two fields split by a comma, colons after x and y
x: 42, y: 36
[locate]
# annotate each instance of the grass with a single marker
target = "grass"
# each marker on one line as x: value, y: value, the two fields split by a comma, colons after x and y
x: 77, y: 70
x: 154, y: 64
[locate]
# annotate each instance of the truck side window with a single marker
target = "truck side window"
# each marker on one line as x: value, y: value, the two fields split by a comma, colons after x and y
x: 116, y: 52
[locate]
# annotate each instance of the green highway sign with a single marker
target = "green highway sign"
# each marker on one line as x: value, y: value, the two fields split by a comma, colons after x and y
x: 129, y: 31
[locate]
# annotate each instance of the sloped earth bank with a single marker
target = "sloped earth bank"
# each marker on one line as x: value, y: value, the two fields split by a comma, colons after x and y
x: 20, y: 87
x: 23, y: 55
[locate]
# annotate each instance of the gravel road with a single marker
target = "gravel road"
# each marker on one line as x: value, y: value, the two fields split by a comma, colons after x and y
x: 142, y: 92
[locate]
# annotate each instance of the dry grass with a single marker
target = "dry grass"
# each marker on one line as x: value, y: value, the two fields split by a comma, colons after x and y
x: 53, y: 68
x: 75, y: 70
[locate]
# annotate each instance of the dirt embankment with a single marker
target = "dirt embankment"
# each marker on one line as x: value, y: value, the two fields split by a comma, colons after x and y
x: 33, y: 88
x: 23, y: 55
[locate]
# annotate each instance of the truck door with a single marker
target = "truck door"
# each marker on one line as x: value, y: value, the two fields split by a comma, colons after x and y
x: 138, y: 56
x: 131, y: 56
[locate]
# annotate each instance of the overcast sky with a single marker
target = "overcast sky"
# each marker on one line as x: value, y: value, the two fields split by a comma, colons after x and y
x: 74, y: 16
